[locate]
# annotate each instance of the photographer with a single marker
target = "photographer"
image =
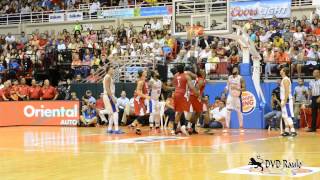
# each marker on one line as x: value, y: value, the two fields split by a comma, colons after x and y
x: 273, y: 118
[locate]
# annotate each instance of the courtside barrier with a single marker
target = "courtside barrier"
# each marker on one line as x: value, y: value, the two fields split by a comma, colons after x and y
x: 33, y: 113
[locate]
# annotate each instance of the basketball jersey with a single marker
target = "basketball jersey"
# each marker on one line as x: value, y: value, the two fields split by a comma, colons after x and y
x: 234, y: 85
x: 155, y: 89
x: 282, y: 89
x: 181, y: 84
x: 144, y: 89
x: 196, y: 83
x: 112, y: 86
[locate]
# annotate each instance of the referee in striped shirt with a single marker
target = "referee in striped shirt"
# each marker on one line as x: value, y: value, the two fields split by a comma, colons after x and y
x: 314, y: 87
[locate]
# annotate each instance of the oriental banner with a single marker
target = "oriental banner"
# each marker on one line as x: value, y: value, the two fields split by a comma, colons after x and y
x: 34, y: 113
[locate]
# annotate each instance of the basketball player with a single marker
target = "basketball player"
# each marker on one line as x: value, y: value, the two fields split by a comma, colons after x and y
x: 196, y: 101
x: 140, y: 95
x: 182, y: 83
x: 287, y: 103
x: 110, y: 101
x: 153, y: 107
x: 235, y: 86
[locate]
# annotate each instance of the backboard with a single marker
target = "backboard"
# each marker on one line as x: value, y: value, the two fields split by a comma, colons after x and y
x: 211, y: 15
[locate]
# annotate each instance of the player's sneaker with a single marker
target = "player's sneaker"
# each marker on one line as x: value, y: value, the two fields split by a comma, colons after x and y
x: 138, y: 132
x: 118, y: 132
x: 184, y: 130
x: 285, y: 134
x: 294, y: 134
x: 190, y: 131
x: 158, y: 130
x: 109, y: 131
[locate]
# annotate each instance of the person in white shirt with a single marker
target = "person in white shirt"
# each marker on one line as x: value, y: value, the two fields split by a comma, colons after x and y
x: 110, y: 101
x: 218, y: 115
x: 61, y: 46
x: 299, y: 35
x: 287, y: 103
x: 236, y: 85
x: 155, y: 25
x: 10, y: 39
x: 108, y: 38
x: 148, y: 43
x: 95, y: 6
x: 122, y: 103
x: 205, y: 54
x: 153, y: 105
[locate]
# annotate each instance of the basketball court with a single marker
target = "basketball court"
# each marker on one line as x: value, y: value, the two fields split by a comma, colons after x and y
x: 82, y: 153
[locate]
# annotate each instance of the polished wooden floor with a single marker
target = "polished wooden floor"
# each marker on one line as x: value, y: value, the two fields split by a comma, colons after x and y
x: 88, y: 153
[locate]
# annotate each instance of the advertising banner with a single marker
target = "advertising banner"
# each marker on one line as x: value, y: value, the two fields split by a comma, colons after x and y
x: 156, y: 11
x: 262, y: 9
x: 56, y: 17
x: 117, y: 13
x: 74, y: 16
x: 35, y: 113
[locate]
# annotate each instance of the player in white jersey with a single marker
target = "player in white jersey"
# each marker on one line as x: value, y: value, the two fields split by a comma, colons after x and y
x: 153, y: 105
x: 287, y: 103
x: 110, y: 101
x: 235, y: 86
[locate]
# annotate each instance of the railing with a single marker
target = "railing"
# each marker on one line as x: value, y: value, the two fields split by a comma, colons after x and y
x: 43, y: 17
x: 126, y: 68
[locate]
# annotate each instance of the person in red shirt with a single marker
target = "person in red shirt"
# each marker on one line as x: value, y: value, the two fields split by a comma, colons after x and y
x: 34, y: 91
x: 183, y: 84
x: 4, y: 92
x: 140, y: 94
x: 23, y: 90
x: 14, y: 91
x: 48, y: 92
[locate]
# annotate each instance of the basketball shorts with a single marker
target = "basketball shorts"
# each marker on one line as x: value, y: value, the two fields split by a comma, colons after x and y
x: 153, y: 106
x: 110, y: 106
x: 181, y: 103
x: 233, y: 103
x: 287, y: 110
x: 139, y: 106
x: 196, y: 105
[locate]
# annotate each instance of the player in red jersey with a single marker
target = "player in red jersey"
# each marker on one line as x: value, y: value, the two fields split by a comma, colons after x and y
x: 196, y: 101
x: 182, y: 82
x: 140, y: 95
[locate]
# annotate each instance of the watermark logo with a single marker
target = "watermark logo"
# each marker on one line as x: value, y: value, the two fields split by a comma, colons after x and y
x: 274, y: 167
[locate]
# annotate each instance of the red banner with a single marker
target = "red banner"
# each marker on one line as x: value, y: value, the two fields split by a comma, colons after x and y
x: 65, y: 113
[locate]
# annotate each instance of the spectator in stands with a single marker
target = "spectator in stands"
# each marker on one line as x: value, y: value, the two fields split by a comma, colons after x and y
x: 269, y: 60
x: 218, y: 115
x: 5, y: 92
x: 14, y: 91
x: 155, y: 26
x: 94, y: 7
x: 300, y: 96
x: 23, y: 90
x: 74, y: 96
x: 23, y: 38
x: 89, y: 113
x: 122, y: 103
x: 10, y: 39
x: 34, y: 91
x: 48, y: 92
x: 281, y: 58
